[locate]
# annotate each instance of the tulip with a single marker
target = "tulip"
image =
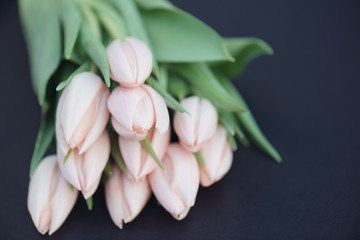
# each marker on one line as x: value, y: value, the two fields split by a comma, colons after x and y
x: 138, y: 161
x: 135, y: 110
x: 130, y: 61
x: 176, y: 186
x: 124, y: 198
x: 196, y: 129
x: 82, y: 113
x: 218, y: 156
x: 50, y: 197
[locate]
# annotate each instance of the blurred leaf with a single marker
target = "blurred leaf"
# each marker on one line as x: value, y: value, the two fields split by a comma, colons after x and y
x: 115, y: 151
x: 178, y: 87
x: 179, y: 37
x: 89, y: 203
x: 153, y: 4
x: 200, y: 158
x: 232, y: 141
x: 83, y: 68
x: 206, y: 84
x: 147, y: 145
x: 71, y: 20
x: 244, y: 51
x: 91, y: 19
x: 41, y: 25
x: 96, y: 51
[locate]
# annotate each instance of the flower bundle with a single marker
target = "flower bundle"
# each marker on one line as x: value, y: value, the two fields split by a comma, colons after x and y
x: 115, y: 79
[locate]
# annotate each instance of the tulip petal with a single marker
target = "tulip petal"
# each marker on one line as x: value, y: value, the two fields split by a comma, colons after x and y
x: 125, y: 133
x: 131, y: 152
x: 60, y: 138
x: 207, y: 122
x: 69, y: 168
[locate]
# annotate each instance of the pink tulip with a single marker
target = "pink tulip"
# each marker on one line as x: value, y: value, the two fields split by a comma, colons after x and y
x: 82, y: 113
x: 124, y: 198
x: 84, y: 171
x: 135, y: 110
x: 130, y: 62
x: 138, y: 161
x: 194, y: 130
x: 218, y: 156
x: 176, y: 186
x: 50, y: 198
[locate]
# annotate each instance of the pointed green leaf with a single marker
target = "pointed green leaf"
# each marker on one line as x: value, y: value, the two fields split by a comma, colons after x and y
x: 244, y: 51
x: 96, y: 51
x: 84, y: 67
x: 115, y: 151
x: 91, y: 19
x: 71, y: 20
x: 67, y: 155
x: 147, y: 145
x: 154, y: 4
x: 179, y: 37
x: 206, y: 84
x: 200, y: 158
x: 41, y: 25
x: 89, y: 203
x: 232, y: 141
x: 178, y: 87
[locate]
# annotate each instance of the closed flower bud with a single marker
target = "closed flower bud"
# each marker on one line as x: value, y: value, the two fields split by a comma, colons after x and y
x: 218, y: 156
x: 194, y: 130
x: 84, y: 171
x: 82, y: 113
x: 138, y: 161
x: 50, y: 198
x: 124, y: 198
x: 135, y: 110
x: 130, y: 62
x: 176, y: 187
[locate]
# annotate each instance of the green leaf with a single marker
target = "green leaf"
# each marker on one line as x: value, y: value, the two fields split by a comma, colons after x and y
x: 147, y: 145
x: 107, y: 172
x: 67, y: 155
x: 178, y: 87
x: 248, y: 122
x: 71, y: 20
x: 89, y: 203
x: 136, y: 27
x: 200, y: 158
x: 84, y: 67
x: 170, y: 101
x: 44, y: 138
x: 115, y: 151
x: 179, y: 37
x: 91, y: 19
x: 96, y: 51
x: 232, y: 141
x: 206, y: 84
x: 41, y: 25
x: 244, y: 50
x: 153, y: 4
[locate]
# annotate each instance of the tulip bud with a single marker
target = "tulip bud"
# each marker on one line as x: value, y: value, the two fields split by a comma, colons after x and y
x: 82, y: 113
x: 138, y: 161
x: 50, y: 197
x: 218, y: 156
x: 130, y: 62
x: 124, y: 198
x: 135, y: 110
x: 194, y: 130
x: 176, y: 186
x: 84, y: 171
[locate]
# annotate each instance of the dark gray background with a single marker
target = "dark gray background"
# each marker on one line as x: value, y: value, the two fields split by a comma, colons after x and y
x: 305, y: 97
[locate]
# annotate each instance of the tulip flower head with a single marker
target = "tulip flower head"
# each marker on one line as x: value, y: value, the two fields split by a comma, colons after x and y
x: 138, y: 161
x: 194, y: 130
x: 130, y: 62
x: 136, y: 110
x: 50, y: 198
x: 124, y: 198
x: 176, y: 187
x: 218, y: 156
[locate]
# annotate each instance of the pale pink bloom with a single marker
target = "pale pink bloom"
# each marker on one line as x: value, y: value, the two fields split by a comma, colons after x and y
x: 82, y: 113
x: 176, y: 186
x: 218, y: 157
x: 136, y: 110
x: 50, y: 198
x: 194, y: 130
x: 124, y: 198
x: 84, y: 171
x: 130, y: 62
x: 138, y: 161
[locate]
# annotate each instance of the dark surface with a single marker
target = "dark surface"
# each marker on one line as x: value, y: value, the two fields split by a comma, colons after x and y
x: 305, y: 97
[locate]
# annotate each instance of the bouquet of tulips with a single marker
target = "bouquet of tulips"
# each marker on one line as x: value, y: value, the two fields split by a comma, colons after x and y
x: 111, y: 76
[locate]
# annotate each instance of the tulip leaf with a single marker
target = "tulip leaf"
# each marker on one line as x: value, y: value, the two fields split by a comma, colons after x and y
x: 83, y: 68
x: 204, y: 82
x: 42, y: 30
x: 232, y: 141
x: 115, y: 151
x: 44, y: 138
x: 179, y: 37
x: 154, y: 4
x: 89, y: 203
x: 170, y: 101
x: 178, y: 87
x: 67, y: 155
x: 107, y: 171
x: 96, y: 51
x: 147, y: 145
x: 248, y: 122
x: 136, y: 27
x: 200, y: 158
x: 244, y: 50
x: 71, y: 20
